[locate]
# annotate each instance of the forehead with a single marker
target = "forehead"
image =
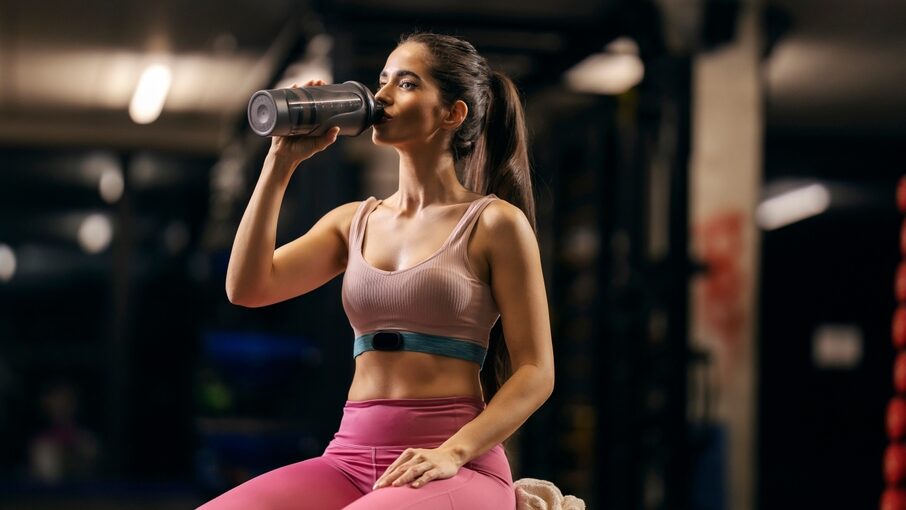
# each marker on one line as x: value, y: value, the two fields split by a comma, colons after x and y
x: 409, y: 57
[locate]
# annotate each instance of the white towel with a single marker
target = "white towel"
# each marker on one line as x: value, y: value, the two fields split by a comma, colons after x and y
x: 534, y: 494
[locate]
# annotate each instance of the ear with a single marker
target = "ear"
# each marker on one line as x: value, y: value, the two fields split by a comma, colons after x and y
x: 455, y: 115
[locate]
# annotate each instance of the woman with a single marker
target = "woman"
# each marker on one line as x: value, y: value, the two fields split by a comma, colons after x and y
x: 428, y: 272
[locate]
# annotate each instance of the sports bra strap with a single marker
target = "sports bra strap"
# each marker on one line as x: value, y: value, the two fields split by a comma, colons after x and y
x: 358, y: 221
x: 465, y: 226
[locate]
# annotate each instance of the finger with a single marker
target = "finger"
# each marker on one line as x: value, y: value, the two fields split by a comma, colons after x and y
x: 429, y: 475
x: 327, y: 139
x: 412, y: 473
x: 391, y: 475
x: 406, y: 455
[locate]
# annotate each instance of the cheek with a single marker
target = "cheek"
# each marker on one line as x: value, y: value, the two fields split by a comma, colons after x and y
x: 421, y: 111
x: 412, y: 111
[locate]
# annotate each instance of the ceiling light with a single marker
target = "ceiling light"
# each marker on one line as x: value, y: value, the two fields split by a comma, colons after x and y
x: 614, y: 71
x: 150, y: 94
x: 792, y: 206
x: 95, y: 233
x: 7, y: 263
x: 111, y: 185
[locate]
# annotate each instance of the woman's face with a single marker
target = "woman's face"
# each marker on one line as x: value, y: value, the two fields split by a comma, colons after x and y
x: 411, y: 99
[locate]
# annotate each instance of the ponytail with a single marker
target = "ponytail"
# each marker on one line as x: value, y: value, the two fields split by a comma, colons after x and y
x: 500, y: 162
x: 500, y: 165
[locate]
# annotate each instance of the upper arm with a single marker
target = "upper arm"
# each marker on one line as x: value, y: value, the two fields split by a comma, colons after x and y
x: 517, y: 284
x: 310, y: 261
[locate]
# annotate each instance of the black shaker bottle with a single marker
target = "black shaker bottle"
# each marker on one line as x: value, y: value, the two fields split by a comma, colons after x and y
x: 312, y: 111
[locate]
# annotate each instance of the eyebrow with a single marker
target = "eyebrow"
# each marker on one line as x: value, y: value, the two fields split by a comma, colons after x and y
x: 403, y: 72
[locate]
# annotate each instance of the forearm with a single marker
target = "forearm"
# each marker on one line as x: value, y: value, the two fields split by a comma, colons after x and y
x: 522, y: 394
x: 252, y: 255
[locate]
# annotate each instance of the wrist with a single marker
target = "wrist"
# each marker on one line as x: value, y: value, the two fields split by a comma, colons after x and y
x: 459, y: 454
x: 281, y: 165
x: 283, y: 158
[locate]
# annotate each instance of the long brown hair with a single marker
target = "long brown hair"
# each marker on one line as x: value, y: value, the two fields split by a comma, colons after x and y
x: 489, y: 149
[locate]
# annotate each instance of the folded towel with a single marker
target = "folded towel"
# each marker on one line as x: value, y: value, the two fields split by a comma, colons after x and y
x: 534, y: 494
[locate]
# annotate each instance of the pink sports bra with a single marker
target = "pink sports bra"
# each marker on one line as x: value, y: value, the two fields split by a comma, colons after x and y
x: 438, y: 297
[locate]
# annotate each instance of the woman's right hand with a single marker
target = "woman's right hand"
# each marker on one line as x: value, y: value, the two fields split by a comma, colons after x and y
x: 298, y: 148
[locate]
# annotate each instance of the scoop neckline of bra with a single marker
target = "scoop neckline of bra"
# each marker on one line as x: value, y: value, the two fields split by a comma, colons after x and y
x: 361, y: 241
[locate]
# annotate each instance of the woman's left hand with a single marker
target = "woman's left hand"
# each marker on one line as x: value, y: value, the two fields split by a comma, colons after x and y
x: 420, y: 466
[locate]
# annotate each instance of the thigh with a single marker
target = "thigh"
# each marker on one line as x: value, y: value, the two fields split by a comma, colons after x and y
x: 469, y: 489
x: 309, y: 484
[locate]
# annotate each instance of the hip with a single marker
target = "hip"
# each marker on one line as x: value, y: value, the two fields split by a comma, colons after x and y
x: 374, y: 433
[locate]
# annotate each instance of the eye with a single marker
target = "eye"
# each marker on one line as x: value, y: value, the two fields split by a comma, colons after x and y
x: 403, y: 84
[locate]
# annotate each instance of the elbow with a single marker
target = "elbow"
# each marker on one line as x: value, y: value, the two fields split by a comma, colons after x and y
x: 233, y: 298
x: 238, y: 298
x: 233, y: 293
x: 245, y: 290
x: 549, y: 383
x: 544, y: 381
x: 239, y: 292
x: 245, y: 304
x: 232, y: 288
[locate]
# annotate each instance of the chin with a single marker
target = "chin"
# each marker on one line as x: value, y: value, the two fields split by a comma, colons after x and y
x: 382, y: 139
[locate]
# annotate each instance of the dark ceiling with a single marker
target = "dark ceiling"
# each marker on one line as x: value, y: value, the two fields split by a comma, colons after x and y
x: 839, y: 66
x: 69, y: 68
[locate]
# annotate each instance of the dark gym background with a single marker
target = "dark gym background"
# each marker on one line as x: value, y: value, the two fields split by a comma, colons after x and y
x: 128, y: 380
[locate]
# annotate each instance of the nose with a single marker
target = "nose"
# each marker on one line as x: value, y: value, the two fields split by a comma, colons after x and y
x: 382, y: 96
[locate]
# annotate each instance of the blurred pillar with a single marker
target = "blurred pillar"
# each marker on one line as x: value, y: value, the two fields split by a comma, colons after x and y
x: 726, y: 167
x: 116, y: 450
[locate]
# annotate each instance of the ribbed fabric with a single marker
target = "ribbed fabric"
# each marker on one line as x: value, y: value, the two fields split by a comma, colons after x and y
x: 440, y: 295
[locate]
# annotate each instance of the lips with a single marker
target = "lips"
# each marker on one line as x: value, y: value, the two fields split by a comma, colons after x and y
x: 384, y: 119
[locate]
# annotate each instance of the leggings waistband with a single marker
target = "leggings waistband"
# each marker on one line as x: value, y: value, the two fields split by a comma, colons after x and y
x: 416, y: 402
x: 405, y: 422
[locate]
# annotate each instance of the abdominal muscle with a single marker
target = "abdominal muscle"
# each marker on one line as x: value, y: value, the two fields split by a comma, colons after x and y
x: 406, y: 374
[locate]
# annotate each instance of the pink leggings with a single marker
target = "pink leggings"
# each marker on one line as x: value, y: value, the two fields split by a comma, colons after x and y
x: 372, y: 434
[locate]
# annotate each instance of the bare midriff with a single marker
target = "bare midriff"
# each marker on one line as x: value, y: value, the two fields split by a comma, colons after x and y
x: 407, y: 374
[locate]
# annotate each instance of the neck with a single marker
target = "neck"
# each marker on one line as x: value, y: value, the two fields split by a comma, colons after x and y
x: 426, y: 177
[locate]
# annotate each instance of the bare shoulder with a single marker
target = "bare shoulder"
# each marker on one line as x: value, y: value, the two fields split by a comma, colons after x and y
x: 500, y: 217
x: 340, y: 218
x: 342, y: 215
x: 503, y: 226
